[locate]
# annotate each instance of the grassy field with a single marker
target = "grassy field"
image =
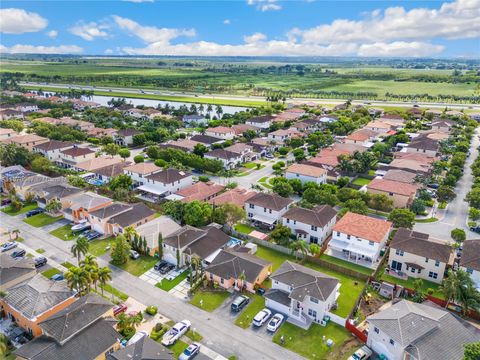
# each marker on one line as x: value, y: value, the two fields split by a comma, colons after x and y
x: 41, y: 220
x: 361, y: 181
x: 26, y: 207
x: 245, y: 318
x: 50, y: 272
x: 178, y: 348
x: 347, y: 264
x: 68, y: 265
x: 139, y: 266
x: 350, y: 289
x: 110, y: 289
x: 168, y: 285
x: 209, y: 300
x: 64, y: 233
x: 99, y: 247
x: 244, y: 228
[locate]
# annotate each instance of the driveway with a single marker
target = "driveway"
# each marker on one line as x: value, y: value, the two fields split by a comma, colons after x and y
x: 456, y: 214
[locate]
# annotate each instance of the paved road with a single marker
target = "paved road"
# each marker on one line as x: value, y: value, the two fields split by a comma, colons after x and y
x: 251, y: 98
x: 456, y: 214
x: 219, y: 332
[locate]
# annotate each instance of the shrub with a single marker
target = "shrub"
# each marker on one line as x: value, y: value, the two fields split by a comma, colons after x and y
x: 128, y: 333
x: 139, y: 159
x: 151, y: 310
x: 430, y: 291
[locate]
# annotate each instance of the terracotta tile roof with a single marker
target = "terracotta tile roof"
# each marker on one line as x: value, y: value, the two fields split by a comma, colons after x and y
x: 143, y: 168
x: 306, y: 170
x: 241, y: 128
x: 77, y: 151
x: 392, y: 186
x: 328, y: 156
x: 23, y: 139
x: 364, y: 227
x: 362, y: 135
x: 220, y: 129
x: 98, y: 163
x: 234, y: 196
x: 199, y: 191
x: 377, y: 124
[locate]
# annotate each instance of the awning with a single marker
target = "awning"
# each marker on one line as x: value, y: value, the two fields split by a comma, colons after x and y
x: 263, y: 219
x: 151, y: 190
x: 343, y: 245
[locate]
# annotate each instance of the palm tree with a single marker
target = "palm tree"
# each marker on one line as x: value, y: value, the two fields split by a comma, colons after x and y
x: 104, y: 276
x: 130, y: 232
x: 53, y: 206
x: 3, y: 345
x: 77, y: 278
x: 242, y: 277
x: 124, y: 322
x: 299, y: 245
x: 90, y: 265
x: 196, y: 264
x: 80, y: 248
x: 449, y: 287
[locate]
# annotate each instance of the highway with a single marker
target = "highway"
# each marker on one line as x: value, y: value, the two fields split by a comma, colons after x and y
x: 193, y: 95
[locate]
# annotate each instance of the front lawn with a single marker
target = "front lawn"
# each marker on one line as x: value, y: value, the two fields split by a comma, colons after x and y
x: 346, y: 264
x: 68, y: 265
x: 50, y: 272
x: 41, y: 220
x: 139, y: 266
x: 309, y: 343
x: 167, y: 285
x: 26, y: 207
x: 427, y: 220
x: 209, y: 300
x: 244, y: 228
x: 350, y: 288
x: 409, y: 284
x: 360, y: 181
x: 178, y: 348
x: 64, y: 233
x: 109, y: 288
x: 245, y: 318
x: 40, y: 251
x: 100, y: 247
x: 194, y: 335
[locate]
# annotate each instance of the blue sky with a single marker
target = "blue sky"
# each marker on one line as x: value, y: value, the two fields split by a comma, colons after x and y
x: 243, y: 27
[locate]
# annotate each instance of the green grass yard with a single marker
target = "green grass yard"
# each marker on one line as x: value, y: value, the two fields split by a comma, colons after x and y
x: 41, y: 220
x: 110, y: 289
x: 178, y: 348
x: 40, y: 251
x: 50, y: 272
x: 350, y: 289
x: 64, y: 233
x: 244, y: 228
x: 99, y: 247
x: 26, y: 207
x: 427, y: 220
x: 194, y: 335
x: 139, y: 266
x: 245, y: 318
x: 209, y: 300
x: 68, y: 265
x: 347, y: 264
x: 168, y: 285
x: 309, y: 343
x: 360, y: 181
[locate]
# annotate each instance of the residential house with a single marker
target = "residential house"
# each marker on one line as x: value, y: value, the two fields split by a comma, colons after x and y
x: 154, y: 113
x: 136, y: 113
x: 83, y: 204
x: 52, y: 149
x: 106, y: 173
x: 282, y: 135
x: 81, y: 105
x: 71, y: 157
x: 329, y: 156
x: 98, y: 132
x: 222, y: 132
x: 415, y: 112
x: 189, y: 241
x: 138, y: 172
x: 403, y: 176
x: 26, y: 182
x: 423, y: 144
x: 124, y: 137
x: 359, y: 238
x: 10, y: 114
x: 98, y: 163
x: 238, y: 270
x: 306, y: 173
x: 240, y: 129
x: 266, y: 209
x: 62, y: 193
x: 194, y: 120
x: 307, y: 125
x: 362, y: 137
x: 378, y: 126
x: 401, y: 193
x: 262, y: 122
x: 434, y: 112
x: 150, y: 231
x: 245, y: 150
x: 113, y: 219
x: 229, y: 159
x: 289, y: 115
x: 181, y: 144
x: 312, y: 225
x: 454, y: 113
x: 207, y: 140
x: 443, y: 125
x: 7, y: 134
x: 303, y: 294
x: 470, y: 260
x: 15, y: 271
x: 143, y: 349
x: 164, y: 183
x: 27, y: 141
x: 235, y: 196
x: 82, y: 331
x: 407, y: 330
x: 418, y: 256
x: 416, y: 162
x: 29, y: 303
x: 202, y: 191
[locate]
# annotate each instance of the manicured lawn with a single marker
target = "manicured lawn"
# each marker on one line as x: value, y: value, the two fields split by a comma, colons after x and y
x: 178, y: 348
x: 68, y: 265
x: 361, y: 181
x: 263, y: 179
x: 347, y: 264
x: 309, y: 343
x: 428, y: 220
x: 250, y: 165
x: 139, y: 266
x: 194, y: 336
x: 245, y: 318
x: 99, y: 247
x: 40, y: 251
x: 244, y: 228
x: 64, y: 233
x: 42, y: 219
x: 26, y: 207
x: 50, y: 272
x: 108, y: 288
x: 409, y: 284
x: 209, y: 300
x: 350, y: 289
x: 168, y: 285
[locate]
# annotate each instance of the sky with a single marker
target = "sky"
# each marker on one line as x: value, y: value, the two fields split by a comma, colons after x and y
x: 243, y: 28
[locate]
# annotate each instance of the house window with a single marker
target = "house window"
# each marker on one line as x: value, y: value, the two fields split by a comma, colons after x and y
x: 338, y: 233
x: 314, y: 239
x: 412, y: 270
x: 432, y: 275
x: 270, y: 211
x: 437, y: 263
x: 251, y: 206
x: 390, y: 194
x: 392, y: 342
x: 314, y: 228
x: 221, y: 281
x: 250, y: 215
x: 376, y: 330
x: 348, y: 237
x: 314, y: 300
x: 288, y: 221
x: 370, y: 243
x: 275, y: 282
x: 426, y: 260
x: 294, y: 222
x: 399, y: 252
x: 264, y: 209
x: 312, y: 313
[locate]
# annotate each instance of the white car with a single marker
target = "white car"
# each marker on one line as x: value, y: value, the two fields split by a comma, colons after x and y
x: 275, y: 322
x: 363, y: 353
x: 176, y: 332
x: 190, y: 352
x: 261, y: 317
x: 134, y: 254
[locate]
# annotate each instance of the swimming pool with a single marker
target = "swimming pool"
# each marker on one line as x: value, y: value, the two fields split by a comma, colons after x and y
x: 233, y: 242
x: 96, y: 182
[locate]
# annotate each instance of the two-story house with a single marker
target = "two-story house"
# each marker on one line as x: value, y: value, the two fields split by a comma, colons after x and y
x: 7, y: 133
x: 124, y: 137
x: 470, y: 260
x: 51, y: 149
x: 401, y: 193
x: 262, y: 122
x: 84, y: 203
x: 222, y: 132
x: 418, y: 256
x: 207, y: 140
x: 306, y: 173
x: 62, y: 193
x: 194, y: 120
x: 164, y: 183
x: 246, y: 151
x: 266, y: 209
x: 138, y: 172
x: 423, y: 144
x: 407, y: 330
x: 362, y: 137
x: 229, y: 159
x: 359, y: 239
x: 303, y: 294
x: 27, y: 141
x: 71, y: 157
x: 312, y: 225
x: 282, y: 135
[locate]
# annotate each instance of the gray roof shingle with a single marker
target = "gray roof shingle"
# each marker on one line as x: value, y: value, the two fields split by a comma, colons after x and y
x: 11, y: 269
x: 270, y: 201
x: 318, y: 216
x: 143, y: 349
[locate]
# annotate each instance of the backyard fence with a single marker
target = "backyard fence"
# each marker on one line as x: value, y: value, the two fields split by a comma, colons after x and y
x: 337, y: 319
x: 356, y: 332
x: 337, y: 268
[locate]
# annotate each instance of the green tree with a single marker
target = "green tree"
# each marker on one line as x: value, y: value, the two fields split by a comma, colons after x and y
x: 402, y: 218
x: 445, y: 193
x: 41, y: 164
x: 80, y: 247
x: 138, y: 159
x: 299, y: 246
x: 120, y: 250
x: 111, y: 149
x: 174, y: 209
x: 314, y: 249
x: 354, y: 205
x: 228, y: 214
x: 77, y: 278
x: 124, y: 153
x: 473, y: 197
x: 474, y: 214
x: 104, y: 276
x: 122, y: 181
x: 472, y: 351
x: 53, y: 206
x: 282, y: 187
x: 200, y: 150
x: 418, y: 206
x: 281, y: 235
x: 177, y: 254
x: 458, y: 235
x: 76, y: 181
x: 380, y: 202
x: 197, y: 213
x: 160, y: 245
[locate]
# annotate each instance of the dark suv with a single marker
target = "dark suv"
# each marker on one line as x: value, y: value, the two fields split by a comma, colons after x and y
x: 160, y: 265
x: 34, y: 212
x: 40, y: 261
x: 239, y: 303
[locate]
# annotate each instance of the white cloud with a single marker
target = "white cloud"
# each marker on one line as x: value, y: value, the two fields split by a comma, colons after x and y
x: 257, y: 37
x: 151, y: 34
x: 400, y: 49
x: 265, y: 5
x: 19, y: 21
x: 227, y: 22
x: 90, y: 31
x: 31, y: 49
x: 52, y: 34
x: 108, y: 51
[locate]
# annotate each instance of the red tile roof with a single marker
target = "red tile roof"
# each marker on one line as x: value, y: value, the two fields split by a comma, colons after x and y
x: 364, y: 227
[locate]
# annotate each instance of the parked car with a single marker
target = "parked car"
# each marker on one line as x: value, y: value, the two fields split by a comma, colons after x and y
x: 433, y: 186
x: 475, y: 229
x: 167, y: 269
x: 8, y: 246
x: 57, y: 277
x: 93, y: 235
x: 34, y: 212
x: 262, y: 317
x: 190, y: 352
x: 6, y: 202
x: 18, y: 254
x: 160, y: 265
x: 239, y: 303
x: 120, y: 308
x: 176, y: 332
x: 134, y: 254
x: 275, y: 322
x: 40, y: 261
x: 363, y: 353
x: 137, y: 337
